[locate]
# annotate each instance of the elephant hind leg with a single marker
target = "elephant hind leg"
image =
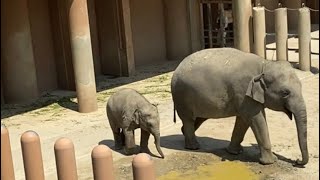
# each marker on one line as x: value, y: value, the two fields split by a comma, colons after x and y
x: 189, y: 134
x: 239, y: 131
x: 198, y: 122
x: 117, y: 134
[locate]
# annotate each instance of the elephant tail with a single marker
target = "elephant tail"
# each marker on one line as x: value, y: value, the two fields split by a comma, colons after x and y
x: 174, y: 114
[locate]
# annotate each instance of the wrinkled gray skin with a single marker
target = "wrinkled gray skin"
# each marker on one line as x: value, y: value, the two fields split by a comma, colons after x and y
x: 219, y: 83
x: 127, y: 110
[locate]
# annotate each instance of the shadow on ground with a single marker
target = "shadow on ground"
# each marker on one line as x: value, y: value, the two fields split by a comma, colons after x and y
x: 110, y: 144
x: 103, y: 82
x: 218, y: 148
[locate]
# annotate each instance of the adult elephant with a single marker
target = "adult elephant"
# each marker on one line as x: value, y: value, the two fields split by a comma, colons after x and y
x: 224, y: 82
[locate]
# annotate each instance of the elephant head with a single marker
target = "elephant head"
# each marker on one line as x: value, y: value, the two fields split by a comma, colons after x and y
x: 279, y: 89
x: 147, y: 118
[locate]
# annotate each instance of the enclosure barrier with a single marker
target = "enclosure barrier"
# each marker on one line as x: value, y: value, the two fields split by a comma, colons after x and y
x: 102, y: 163
x: 304, y: 33
x: 65, y: 159
x: 281, y: 29
x: 7, y: 172
x: 32, y: 157
x: 259, y: 34
x: 242, y: 14
x: 142, y: 167
x: 281, y: 34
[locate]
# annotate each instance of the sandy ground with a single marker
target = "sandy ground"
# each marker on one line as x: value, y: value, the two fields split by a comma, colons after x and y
x: 58, y: 118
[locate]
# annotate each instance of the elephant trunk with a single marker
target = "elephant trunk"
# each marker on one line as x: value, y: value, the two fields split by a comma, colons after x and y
x: 157, y: 143
x: 300, y: 117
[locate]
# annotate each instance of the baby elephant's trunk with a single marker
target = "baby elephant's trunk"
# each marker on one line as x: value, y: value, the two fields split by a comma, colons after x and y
x: 157, y: 143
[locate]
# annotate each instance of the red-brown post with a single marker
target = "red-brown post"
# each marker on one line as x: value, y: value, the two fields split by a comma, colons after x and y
x: 32, y: 156
x: 65, y: 159
x: 7, y: 172
x: 82, y: 56
x: 143, y: 168
x: 102, y: 163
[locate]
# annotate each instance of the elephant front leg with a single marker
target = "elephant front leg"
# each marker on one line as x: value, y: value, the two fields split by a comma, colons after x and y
x: 260, y: 130
x: 130, y: 145
x: 189, y: 134
x: 239, y: 131
x: 144, y: 141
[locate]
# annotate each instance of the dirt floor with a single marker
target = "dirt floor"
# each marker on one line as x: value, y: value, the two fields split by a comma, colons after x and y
x: 53, y: 117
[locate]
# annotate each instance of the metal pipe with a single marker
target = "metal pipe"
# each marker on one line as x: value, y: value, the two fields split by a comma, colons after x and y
x: 32, y: 157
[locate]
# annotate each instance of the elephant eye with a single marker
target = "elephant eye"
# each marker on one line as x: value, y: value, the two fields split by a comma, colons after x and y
x: 285, y: 93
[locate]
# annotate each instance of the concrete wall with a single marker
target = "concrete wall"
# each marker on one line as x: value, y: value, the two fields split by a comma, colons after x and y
x: 177, y: 29
x: 148, y: 31
x: 108, y: 36
x: 62, y: 46
x: 42, y: 44
x: 18, y: 68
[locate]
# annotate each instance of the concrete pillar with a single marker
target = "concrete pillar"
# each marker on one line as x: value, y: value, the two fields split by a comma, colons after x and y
x: 32, y: 156
x: 304, y: 33
x: 65, y: 159
x: 242, y: 21
x: 259, y: 28
x: 281, y: 29
x: 102, y: 163
x: 7, y: 172
x: 143, y: 167
x: 82, y: 56
x: 194, y: 24
x: 177, y: 29
x: 18, y: 63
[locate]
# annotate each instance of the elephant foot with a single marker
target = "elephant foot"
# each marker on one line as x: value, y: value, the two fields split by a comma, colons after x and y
x: 130, y: 151
x: 268, y: 159
x: 192, y: 146
x: 182, y: 130
x: 118, y: 146
x: 145, y: 150
x: 235, y: 150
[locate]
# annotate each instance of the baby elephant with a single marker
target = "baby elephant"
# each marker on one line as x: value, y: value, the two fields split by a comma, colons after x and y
x: 128, y: 110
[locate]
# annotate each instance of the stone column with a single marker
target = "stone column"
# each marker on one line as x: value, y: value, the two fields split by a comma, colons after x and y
x: 242, y: 21
x: 177, y: 30
x: 82, y: 56
x: 17, y: 63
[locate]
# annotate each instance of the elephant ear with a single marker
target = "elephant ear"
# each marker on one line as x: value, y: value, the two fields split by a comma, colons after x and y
x: 256, y: 88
